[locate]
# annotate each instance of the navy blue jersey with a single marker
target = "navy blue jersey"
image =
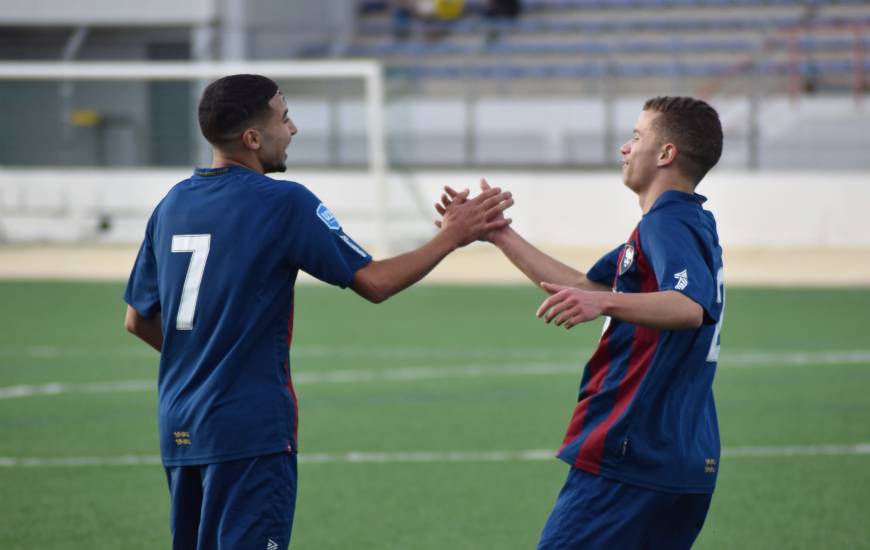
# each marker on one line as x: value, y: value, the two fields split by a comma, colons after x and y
x: 645, y: 413
x: 219, y: 260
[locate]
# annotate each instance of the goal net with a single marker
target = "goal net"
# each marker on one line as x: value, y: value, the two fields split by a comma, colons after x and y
x: 78, y: 133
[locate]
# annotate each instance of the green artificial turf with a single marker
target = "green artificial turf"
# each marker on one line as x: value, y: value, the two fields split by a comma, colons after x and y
x: 435, y: 369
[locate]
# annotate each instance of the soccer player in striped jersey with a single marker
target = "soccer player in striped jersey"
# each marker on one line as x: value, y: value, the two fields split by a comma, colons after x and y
x: 643, y: 441
x: 212, y: 291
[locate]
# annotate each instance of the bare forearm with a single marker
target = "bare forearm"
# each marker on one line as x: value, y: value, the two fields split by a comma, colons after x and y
x: 383, y: 278
x: 149, y: 331
x: 463, y: 221
x: 667, y: 310
x: 538, y: 266
x: 153, y: 337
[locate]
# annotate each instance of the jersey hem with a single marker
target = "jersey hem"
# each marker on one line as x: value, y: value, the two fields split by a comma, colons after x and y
x: 629, y: 480
x: 225, y: 457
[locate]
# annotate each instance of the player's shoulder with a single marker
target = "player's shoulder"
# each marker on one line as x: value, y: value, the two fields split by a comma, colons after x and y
x: 676, y: 216
x: 274, y: 187
x: 174, y: 194
x: 676, y: 208
x: 278, y: 194
x: 245, y: 189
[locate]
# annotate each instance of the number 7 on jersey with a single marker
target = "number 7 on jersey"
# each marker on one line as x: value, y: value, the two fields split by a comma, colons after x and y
x: 199, y: 245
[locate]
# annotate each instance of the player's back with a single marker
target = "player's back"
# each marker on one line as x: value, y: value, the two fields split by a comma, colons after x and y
x: 220, y: 242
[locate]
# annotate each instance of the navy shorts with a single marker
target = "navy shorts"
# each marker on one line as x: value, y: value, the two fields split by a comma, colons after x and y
x: 595, y: 512
x: 239, y: 504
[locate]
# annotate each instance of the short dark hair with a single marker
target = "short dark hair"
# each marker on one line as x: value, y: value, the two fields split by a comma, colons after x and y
x: 694, y: 127
x: 230, y: 104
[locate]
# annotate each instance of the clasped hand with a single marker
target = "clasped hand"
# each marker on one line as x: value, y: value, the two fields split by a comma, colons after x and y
x: 481, y: 218
x: 473, y: 219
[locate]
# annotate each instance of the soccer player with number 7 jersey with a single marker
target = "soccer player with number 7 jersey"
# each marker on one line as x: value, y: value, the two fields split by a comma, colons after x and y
x: 643, y: 441
x: 212, y: 291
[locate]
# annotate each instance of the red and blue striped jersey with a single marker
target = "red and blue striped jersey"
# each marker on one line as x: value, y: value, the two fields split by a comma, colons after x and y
x: 645, y: 413
x: 219, y: 262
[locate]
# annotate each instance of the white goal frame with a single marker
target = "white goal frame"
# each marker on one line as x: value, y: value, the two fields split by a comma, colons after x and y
x: 369, y: 71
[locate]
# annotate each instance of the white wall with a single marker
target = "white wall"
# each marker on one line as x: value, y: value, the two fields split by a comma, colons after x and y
x: 768, y: 209
x: 105, y: 12
x: 817, y: 132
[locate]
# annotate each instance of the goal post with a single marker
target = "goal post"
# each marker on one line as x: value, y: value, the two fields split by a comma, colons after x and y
x: 369, y: 71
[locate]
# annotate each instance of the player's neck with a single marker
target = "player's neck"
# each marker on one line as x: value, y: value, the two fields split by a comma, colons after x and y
x: 647, y: 198
x: 221, y: 159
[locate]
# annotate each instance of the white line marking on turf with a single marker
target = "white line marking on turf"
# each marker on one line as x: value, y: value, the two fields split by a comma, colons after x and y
x: 359, y: 457
x: 798, y: 450
x: 325, y: 377
x: 753, y: 357
x: 80, y: 461
x: 746, y: 359
x: 329, y: 352
x: 59, y: 388
x: 435, y: 373
x: 796, y: 358
x: 428, y: 456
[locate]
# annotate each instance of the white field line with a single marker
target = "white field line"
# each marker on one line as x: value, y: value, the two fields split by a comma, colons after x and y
x: 752, y: 357
x: 305, y: 378
x: 359, y: 457
x: 56, y: 388
x: 795, y: 358
x: 337, y: 352
x: 746, y: 359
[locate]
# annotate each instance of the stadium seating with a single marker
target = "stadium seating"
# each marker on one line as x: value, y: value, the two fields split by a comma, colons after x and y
x: 629, y: 70
x: 588, y: 47
x: 571, y: 39
x: 376, y: 6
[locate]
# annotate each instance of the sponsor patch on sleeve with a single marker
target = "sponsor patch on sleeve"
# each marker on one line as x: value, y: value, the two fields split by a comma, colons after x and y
x: 327, y: 217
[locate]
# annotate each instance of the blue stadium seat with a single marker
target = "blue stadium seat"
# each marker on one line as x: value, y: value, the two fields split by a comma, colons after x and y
x: 586, y: 47
x: 550, y: 36
x: 529, y: 26
x: 587, y: 70
x: 477, y: 7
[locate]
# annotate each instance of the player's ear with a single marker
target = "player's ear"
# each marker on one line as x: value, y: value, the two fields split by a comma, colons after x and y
x: 251, y: 139
x: 667, y: 155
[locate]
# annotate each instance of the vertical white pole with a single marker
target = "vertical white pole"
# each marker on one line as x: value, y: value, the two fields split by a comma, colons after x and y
x: 202, y: 49
x: 234, y: 32
x: 377, y: 153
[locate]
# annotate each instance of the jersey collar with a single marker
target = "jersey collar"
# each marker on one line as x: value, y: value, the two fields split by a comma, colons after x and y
x: 677, y: 196
x: 209, y: 172
x: 223, y: 170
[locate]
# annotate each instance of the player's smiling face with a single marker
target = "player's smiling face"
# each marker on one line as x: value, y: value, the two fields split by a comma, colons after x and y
x: 277, y: 131
x: 640, y: 153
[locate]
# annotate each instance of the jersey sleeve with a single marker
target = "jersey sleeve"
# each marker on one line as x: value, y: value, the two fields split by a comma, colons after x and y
x: 142, y: 292
x: 604, y: 270
x: 322, y: 248
x: 677, y: 255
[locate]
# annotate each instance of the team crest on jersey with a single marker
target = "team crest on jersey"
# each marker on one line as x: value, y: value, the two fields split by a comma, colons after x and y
x: 627, y: 258
x: 327, y: 217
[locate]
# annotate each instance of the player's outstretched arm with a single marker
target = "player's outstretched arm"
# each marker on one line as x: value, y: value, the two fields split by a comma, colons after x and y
x: 539, y: 266
x: 464, y: 222
x: 149, y: 330
x: 530, y: 260
x: 665, y: 310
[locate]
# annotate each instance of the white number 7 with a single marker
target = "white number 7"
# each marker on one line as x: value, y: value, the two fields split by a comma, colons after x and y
x: 199, y: 245
x: 713, y: 354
